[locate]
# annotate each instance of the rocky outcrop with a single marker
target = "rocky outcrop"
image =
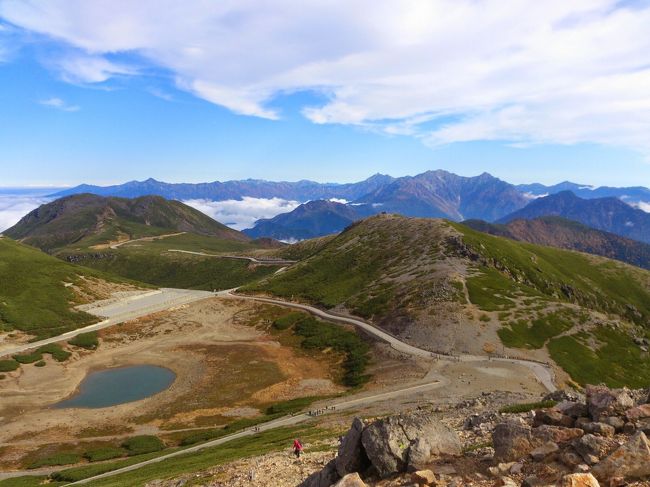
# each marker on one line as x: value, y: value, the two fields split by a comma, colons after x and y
x: 631, y: 460
x: 403, y: 442
x: 602, y: 401
x: 406, y: 442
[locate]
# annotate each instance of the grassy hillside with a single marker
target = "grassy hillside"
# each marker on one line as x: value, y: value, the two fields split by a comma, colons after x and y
x: 37, y: 291
x: 559, y: 232
x: 153, y: 263
x: 443, y: 285
x: 86, y: 220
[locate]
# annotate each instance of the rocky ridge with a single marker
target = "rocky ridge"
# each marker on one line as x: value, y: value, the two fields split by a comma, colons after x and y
x: 596, y: 439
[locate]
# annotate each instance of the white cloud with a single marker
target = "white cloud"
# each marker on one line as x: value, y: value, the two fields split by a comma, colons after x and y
x: 521, y: 71
x: 343, y: 201
x: 642, y: 205
x: 59, y: 104
x: 240, y: 214
x: 14, y: 207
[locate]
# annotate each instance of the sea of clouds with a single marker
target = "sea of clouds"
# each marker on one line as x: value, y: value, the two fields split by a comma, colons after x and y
x: 241, y: 214
x: 15, y: 205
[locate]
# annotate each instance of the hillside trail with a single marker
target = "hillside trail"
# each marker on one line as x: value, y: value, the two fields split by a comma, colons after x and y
x: 253, y: 260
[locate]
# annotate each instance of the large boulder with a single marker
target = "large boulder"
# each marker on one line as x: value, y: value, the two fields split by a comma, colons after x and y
x: 407, y: 441
x: 631, y: 460
x: 553, y: 417
x: 351, y: 456
x: 638, y: 412
x: 511, y: 440
x: 603, y: 401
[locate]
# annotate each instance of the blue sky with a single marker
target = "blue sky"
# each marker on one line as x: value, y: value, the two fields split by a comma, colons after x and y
x: 104, y: 92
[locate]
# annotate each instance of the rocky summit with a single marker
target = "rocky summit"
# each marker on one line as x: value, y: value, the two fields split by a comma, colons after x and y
x: 598, y: 438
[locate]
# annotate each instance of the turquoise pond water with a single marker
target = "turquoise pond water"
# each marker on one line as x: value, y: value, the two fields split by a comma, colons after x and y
x: 110, y: 387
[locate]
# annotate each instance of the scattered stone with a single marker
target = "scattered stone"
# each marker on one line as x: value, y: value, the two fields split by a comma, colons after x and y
x: 615, y: 422
x: 516, y: 468
x: 602, y: 401
x: 598, y: 428
x: 546, y: 433
x: 638, y: 412
x: 541, y: 453
x: 570, y: 458
x: 579, y: 480
x: 507, y: 482
x: 511, y: 440
x: 563, y: 395
x: 552, y: 417
x: 631, y: 460
x: 423, y: 477
x: 572, y: 409
x: 590, y: 448
x: 351, y: 480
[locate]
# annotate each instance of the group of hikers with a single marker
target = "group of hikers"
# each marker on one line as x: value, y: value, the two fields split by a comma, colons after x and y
x: 318, y: 412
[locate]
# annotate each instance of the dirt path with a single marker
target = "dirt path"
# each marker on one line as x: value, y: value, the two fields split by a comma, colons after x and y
x: 252, y: 260
x: 145, y: 239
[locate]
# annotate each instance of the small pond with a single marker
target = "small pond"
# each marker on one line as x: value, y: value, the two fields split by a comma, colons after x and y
x: 110, y: 387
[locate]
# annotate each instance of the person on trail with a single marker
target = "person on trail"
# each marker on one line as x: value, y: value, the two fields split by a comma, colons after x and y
x: 297, y: 448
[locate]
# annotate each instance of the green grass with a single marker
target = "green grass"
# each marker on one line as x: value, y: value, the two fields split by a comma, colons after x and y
x: 291, y: 406
x: 490, y: 291
x: 616, y: 360
x: 590, y: 281
x: 525, y: 407
x: 102, y: 454
x: 8, y: 365
x: 53, y: 349
x: 262, y: 443
x: 62, y: 458
x: 319, y: 335
x: 176, y: 269
x: 534, y: 335
x: 85, y: 340
x: 30, y: 481
x: 33, y: 295
x: 138, y: 445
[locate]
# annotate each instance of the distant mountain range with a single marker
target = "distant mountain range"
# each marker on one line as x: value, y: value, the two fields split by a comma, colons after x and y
x: 87, y: 219
x: 309, y: 220
x: 555, y: 231
x: 430, y: 194
x: 607, y: 214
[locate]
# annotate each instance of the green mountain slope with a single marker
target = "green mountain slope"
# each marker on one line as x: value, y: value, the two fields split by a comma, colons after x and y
x: 556, y: 231
x: 447, y: 287
x: 85, y: 220
x: 38, y: 292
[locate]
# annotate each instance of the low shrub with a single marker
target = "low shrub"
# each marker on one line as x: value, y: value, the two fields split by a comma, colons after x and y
x: 88, y: 340
x: 107, y: 453
x: 8, y: 365
x: 525, y: 407
x: 40, y: 363
x: 137, y: 445
x: 28, y: 358
x: 56, y: 459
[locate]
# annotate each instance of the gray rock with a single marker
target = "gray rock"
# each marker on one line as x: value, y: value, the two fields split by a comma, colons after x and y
x: 590, y: 448
x: 597, y: 428
x: 407, y: 441
x: 615, y: 422
x: 631, y: 460
x: 511, y: 440
x: 572, y: 409
x: 603, y: 401
x: 351, y: 456
x: 544, y: 451
x: 323, y: 478
x: 552, y: 417
x: 563, y: 395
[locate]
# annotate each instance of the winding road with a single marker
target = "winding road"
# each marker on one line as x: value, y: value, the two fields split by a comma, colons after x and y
x: 125, y: 310
x: 252, y: 260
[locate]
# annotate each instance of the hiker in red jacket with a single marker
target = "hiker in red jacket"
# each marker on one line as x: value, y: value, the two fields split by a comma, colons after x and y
x: 297, y: 448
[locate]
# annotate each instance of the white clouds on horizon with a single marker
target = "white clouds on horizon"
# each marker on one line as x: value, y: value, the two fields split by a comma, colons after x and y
x: 522, y: 71
x: 241, y: 214
x: 13, y: 207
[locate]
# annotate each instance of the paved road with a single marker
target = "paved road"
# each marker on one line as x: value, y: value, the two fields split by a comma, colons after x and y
x: 145, y: 239
x: 121, y: 311
x: 543, y: 372
x: 277, y: 423
x: 239, y: 257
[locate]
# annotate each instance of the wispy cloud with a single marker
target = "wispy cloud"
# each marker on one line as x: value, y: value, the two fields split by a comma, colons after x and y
x: 59, y: 104
x: 240, y: 214
x: 444, y: 71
